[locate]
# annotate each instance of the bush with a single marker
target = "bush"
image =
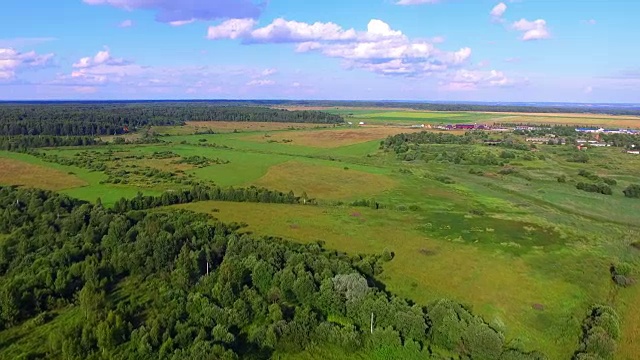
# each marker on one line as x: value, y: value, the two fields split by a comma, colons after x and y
x: 609, y: 181
x: 595, y: 188
x: 632, y: 191
x: 507, y: 171
x: 478, y: 212
x: 482, y: 342
x: 445, y: 179
x: 562, y: 179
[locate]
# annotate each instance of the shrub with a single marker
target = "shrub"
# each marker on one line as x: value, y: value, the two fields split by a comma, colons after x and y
x: 562, y: 179
x: 632, y: 191
x: 507, y: 171
x: 595, y: 188
x: 609, y: 181
x: 482, y: 342
x: 478, y: 212
x: 445, y: 179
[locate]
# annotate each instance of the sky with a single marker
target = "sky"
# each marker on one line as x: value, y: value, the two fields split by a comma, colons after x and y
x: 440, y: 50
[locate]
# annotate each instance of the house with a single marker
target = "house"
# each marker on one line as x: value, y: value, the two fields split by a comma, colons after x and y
x: 465, y: 126
x: 598, y: 144
x: 500, y: 129
x: 361, y: 123
x: 635, y: 152
x: 417, y: 126
x: 349, y: 123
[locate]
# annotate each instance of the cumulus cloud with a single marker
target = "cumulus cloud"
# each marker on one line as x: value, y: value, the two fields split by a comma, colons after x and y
x: 590, y: 22
x: 102, y: 68
x: 102, y: 57
x: 281, y: 30
x: 379, y: 49
x: 181, y: 12
x: 532, y: 30
x: 12, y: 61
x: 231, y: 29
x: 498, y: 11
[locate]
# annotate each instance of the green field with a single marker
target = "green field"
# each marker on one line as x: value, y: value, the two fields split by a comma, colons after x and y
x: 526, y: 252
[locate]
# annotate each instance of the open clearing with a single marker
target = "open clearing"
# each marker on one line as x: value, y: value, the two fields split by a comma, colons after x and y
x: 324, y: 182
x: 15, y: 172
x: 193, y: 127
x: 333, y: 138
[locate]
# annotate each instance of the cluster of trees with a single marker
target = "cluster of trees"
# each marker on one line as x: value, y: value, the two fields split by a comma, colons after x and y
x: 25, y: 143
x: 108, y: 118
x: 600, y: 188
x: 401, y: 143
x: 173, y: 285
x: 622, y: 140
x: 202, y: 192
x: 600, y: 330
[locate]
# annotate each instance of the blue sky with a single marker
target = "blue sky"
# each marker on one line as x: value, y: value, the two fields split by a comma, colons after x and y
x: 470, y: 50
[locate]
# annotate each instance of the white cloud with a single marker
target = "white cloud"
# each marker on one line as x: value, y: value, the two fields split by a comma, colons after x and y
x: 498, y: 11
x: 588, y: 90
x: 261, y: 82
x: 590, y: 22
x: 532, y: 30
x: 126, y: 24
x: 379, y: 49
x: 102, y: 57
x: 281, y: 30
x: 12, y: 61
x: 231, y: 29
x: 464, y: 80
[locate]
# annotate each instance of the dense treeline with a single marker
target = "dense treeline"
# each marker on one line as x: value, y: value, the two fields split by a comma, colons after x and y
x: 95, y: 119
x: 25, y: 143
x: 173, y: 285
x: 205, y: 193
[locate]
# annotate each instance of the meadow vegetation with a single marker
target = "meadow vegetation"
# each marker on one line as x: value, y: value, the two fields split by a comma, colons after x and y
x: 535, y: 247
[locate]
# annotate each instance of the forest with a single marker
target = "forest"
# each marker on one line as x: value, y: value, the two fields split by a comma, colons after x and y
x: 93, y: 119
x: 173, y: 284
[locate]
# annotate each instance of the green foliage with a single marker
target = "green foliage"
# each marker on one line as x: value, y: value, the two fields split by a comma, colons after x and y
x: 196, y: 289
x: 113, y: 118
x: 595, y: 188
x: 632, y: 191
x: 601, y: 328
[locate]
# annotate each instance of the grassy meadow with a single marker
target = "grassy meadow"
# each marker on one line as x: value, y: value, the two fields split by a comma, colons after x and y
x: 526, y: 252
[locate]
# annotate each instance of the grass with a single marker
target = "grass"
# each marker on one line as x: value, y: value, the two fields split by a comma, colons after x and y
x: 17, y: 172
x: 324, y: 182
x: 498, y: 285
x: 331, y: 138
x: 539, y: 242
